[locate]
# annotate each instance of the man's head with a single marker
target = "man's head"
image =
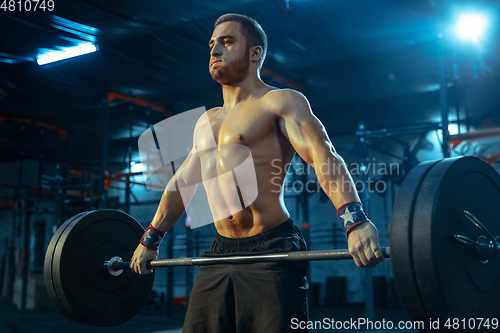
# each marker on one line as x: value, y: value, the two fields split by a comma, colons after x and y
x: 238, y: 40
x: 250, y: 29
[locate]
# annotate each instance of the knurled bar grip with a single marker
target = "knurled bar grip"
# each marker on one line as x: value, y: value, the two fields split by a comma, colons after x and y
x: 290, y: 256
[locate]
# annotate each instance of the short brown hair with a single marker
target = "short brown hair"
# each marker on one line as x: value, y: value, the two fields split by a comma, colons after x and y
x: 251, y: 29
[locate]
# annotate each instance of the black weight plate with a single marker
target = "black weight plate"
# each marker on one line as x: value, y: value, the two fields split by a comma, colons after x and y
x: 47, y: 269
x: 87, y: 292
x: 58, y: 296
x: 452, y: 281
x: 400, y: 236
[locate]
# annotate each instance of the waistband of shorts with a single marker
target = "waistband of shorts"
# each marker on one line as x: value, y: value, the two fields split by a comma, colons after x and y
x: 263, y: 236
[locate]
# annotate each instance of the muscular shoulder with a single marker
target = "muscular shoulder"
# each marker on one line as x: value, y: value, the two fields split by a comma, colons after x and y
x: 205, y: 117
x: 212, y: 112
x: 284, y: 101
x: 202, y: 129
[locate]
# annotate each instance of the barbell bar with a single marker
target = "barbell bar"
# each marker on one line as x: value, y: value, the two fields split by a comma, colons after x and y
x: 444, y: 251
x: 116, y: 264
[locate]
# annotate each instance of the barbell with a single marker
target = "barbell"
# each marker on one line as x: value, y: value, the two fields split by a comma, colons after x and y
x: 444, y: 249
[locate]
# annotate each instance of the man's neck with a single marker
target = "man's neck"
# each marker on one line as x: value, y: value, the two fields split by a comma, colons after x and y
x: 241, y: 91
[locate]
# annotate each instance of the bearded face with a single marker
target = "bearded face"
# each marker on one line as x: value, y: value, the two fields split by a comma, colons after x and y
x: 229, y: 52
x: 230, y: 72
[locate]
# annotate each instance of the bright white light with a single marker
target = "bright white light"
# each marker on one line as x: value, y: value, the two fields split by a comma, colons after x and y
x: 137, y: 167
x: 453, y: 129
x: 70, y: 52
x: 471, y: 26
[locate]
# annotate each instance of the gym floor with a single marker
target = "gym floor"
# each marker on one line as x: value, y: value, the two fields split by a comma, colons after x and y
x: 49, y: 320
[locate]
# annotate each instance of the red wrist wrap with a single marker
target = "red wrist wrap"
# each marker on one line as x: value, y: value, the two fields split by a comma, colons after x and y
x: 152, y: 238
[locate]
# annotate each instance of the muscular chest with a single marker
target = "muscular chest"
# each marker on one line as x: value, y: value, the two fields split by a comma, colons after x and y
x: 230, y: 136
x: 247, y: 126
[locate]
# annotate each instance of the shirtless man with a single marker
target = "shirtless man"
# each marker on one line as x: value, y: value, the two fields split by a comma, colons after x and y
x: 274, y: 124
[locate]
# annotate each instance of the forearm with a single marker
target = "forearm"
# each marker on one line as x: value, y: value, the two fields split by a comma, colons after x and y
x: 170, y: 208
x: 334, y: 177
x: 338, y: 184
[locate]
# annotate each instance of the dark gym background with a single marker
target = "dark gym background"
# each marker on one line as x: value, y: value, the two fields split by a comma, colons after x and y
x: 390, y: 79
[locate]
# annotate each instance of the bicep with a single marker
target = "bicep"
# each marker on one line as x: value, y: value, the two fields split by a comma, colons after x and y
x: 189, y: 173
x: 302, y: 128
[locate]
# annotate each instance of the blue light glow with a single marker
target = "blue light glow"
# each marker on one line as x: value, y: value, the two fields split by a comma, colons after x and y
x: 65, y: 53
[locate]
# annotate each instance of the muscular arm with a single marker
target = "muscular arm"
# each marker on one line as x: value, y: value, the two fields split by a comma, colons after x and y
x: 310, y: 140
x: 171, y: 205
x: 170, y: 208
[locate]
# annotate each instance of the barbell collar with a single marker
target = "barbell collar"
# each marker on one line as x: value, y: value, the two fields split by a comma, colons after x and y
x: 116, y: 265
x: 485, y: 249
x: 110, y: 267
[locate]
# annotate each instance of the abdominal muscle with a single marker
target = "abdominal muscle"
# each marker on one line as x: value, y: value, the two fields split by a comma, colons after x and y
x: 233, y: 218
x: 248, y: 144
x: 253, y: 220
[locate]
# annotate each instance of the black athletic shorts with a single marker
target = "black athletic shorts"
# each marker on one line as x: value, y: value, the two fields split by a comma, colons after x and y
x: 250, y: 298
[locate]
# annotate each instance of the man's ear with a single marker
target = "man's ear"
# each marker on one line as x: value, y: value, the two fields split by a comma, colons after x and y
x: 255, y: 53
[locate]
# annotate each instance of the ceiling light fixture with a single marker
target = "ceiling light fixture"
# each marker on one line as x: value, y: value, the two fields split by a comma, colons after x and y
x: 66, y: 53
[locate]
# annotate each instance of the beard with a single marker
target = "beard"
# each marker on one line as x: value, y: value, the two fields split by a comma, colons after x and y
x: 232, y: 72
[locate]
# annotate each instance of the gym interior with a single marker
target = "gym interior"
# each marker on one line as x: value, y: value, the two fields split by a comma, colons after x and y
x: 395, y: 83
